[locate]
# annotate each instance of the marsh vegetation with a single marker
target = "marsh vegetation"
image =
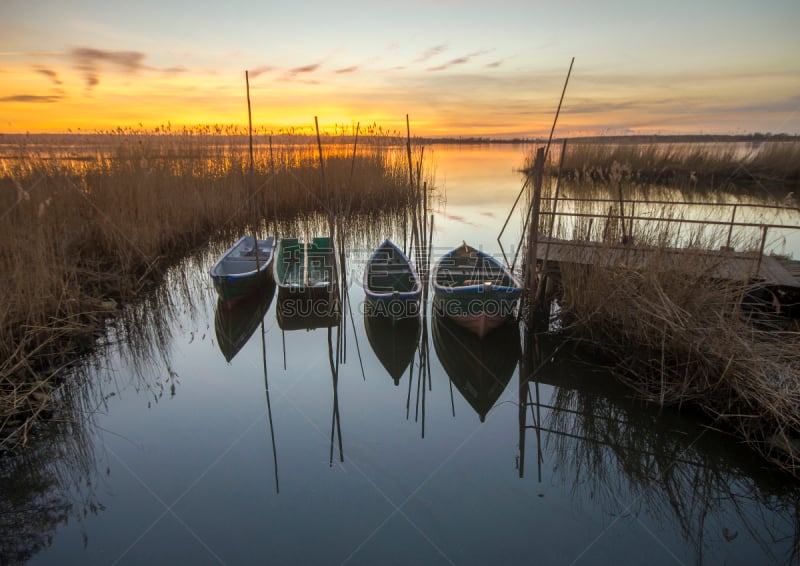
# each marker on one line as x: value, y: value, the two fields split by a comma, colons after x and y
x: 654, y: 304
x: 91, y: 222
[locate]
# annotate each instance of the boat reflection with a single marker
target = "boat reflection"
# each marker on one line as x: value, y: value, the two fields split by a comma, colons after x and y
x: 234, y: 324
x: 394, y: 341
x: 301, y: 311
x: 480, y: 368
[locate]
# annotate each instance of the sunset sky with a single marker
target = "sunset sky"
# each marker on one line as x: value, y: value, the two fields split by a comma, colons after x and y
x: 456, y: 67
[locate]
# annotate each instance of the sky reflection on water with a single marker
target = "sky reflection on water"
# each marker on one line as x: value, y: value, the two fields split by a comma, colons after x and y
x: 179, y: 462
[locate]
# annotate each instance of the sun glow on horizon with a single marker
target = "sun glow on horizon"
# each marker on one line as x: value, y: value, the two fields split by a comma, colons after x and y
x: 494, y: 73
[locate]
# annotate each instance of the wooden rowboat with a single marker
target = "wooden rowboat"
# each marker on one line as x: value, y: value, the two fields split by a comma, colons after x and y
x: 243, y: 268
x: 392, y: 286
x: 305, y: 267
x: 307, y: 290
x: 474, y: 289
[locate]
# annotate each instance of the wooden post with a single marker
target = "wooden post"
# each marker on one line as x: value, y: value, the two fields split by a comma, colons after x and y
x: 533, y: 227
x: 761, y: 251
x: 730, y: 228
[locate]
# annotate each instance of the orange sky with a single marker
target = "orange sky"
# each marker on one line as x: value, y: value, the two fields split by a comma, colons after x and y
x: 457, y: 67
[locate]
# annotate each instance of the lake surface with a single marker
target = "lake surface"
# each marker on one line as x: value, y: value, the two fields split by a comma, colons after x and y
x: 299, y: 452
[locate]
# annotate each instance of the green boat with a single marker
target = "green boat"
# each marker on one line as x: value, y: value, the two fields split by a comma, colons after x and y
x: 306, y: 278
x: 304, y: 267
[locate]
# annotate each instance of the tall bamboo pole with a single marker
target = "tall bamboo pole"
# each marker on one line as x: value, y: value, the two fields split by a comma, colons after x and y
x: 250, y: 195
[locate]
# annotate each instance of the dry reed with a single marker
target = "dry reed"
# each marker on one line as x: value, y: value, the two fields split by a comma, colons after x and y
x: 680, y: 335
x: 771, y: 167
x: 89, y: 222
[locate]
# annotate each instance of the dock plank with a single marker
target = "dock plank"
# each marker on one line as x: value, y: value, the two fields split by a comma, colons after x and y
x: 717, y: 264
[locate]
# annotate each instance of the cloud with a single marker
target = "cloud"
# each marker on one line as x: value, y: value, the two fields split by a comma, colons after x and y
x: 174, y: 70
x: 346, y: 70
x: 50, y: 74
x: 432, y: 52
x: 88, y: 61
x: 31, y: 98
x: 456, y: 61
x: 303, y: 70
x: 260, y: 71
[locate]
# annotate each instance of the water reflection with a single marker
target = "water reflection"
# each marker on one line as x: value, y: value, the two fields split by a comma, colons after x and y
x: 480, y: 368
x: 594, y: 451
x: 394, y: 341
x: 302, y: 311
x: 234, y: 325
x: 653, y: 466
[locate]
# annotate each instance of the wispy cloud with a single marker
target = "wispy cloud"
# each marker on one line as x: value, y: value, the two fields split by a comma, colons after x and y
x: 31, y: 98
x: 89, y: 59
x: 305, y: 69
x: 430, y: 53
x: 456, y: 61
x: 347, y: 70
x: 50, y: 74
x: 260, y: 70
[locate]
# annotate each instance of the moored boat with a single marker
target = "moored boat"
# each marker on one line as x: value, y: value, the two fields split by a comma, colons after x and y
x: 392, y: 286
x: 243, y: 268
x: 474, y: 289
x: 305, y: 267
x: 307, y: 290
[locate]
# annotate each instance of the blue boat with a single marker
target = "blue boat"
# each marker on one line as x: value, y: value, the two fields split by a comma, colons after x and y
x: 474, y: 289
x: 391, y: 284
x: 243, y: 268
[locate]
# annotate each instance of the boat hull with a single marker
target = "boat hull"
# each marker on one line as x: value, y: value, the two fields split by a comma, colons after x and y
x: 242, y: 270
x: 305, y: 267
x: 474, y: 290
x: 392, y: 287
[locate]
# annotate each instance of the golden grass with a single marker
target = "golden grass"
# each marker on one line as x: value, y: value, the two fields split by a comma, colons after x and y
x: 771, y: 167
x: 89, y: 222
x: 679, y: 335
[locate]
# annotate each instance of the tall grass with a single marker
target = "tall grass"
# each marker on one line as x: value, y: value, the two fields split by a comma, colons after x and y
x: 89, y: 222
x: 769, y: 168
x: 679, y: 335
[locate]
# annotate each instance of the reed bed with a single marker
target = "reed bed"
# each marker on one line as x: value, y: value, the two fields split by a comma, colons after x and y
x: 772, y: 168
x: 90, y: 222
x: 681, y: 336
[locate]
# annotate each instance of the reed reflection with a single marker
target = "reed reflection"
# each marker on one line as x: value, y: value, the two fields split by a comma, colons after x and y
x: 604, y: 448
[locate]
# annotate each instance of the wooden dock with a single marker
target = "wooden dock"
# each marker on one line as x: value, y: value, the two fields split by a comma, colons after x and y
x: 767, y: 270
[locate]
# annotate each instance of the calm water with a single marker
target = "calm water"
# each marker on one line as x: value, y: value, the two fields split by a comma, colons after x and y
x: 278, y: 457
